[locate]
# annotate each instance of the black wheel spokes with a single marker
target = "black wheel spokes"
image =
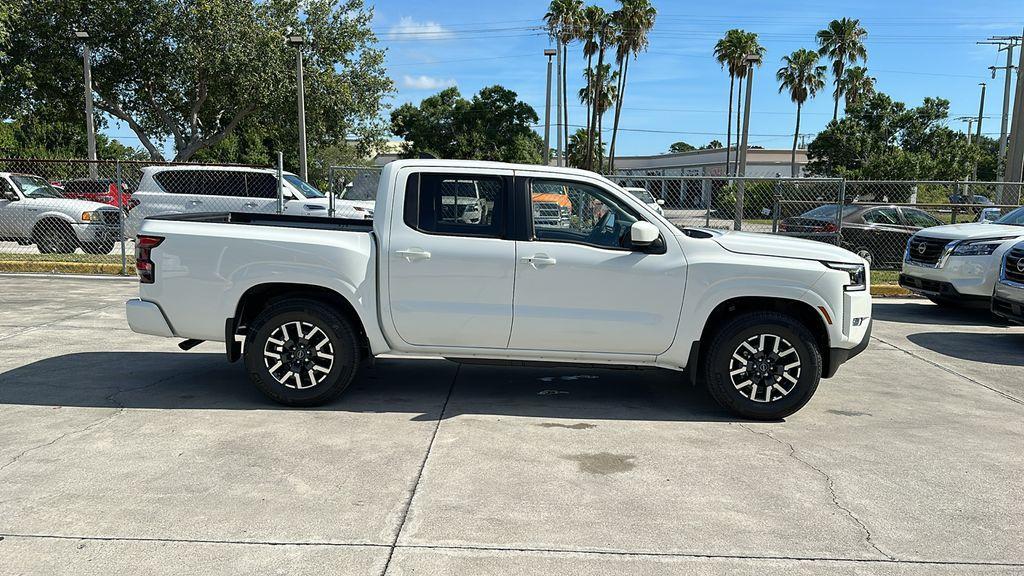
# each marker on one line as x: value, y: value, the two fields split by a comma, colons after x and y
x: 298, y: 355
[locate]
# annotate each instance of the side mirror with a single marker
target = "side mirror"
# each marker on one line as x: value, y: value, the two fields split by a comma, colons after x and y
x: 642, y: 234
x: 661, y: 202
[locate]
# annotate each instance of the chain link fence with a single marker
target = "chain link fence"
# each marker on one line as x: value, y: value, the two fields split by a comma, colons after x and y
x: 77, y: 211
x: 83, y: 215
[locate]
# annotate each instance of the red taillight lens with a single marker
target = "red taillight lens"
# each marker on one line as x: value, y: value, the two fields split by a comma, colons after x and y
x: 143, y: 263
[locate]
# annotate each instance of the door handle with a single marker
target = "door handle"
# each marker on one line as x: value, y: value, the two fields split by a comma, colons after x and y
x: 538, y: 260
x: 413, y: 254
x: 195, y: 202
x: 249, y: 205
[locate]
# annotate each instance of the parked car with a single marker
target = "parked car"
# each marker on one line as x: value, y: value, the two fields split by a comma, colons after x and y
x: 102, y: 190
x: 646, y: 197
x: 760, y: 317
x: 959, y: 263
x: 972, y: 199
x: 1008, y: 297
x: 990, y: 214
x: 192, y: 189
x: 34, y: 212
x: 877, y: 234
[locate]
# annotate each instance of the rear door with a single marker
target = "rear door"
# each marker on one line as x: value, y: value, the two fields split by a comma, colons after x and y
x: 450, y: 280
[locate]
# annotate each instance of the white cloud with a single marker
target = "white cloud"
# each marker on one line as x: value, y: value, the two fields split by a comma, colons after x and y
x: 409, y: 28
x: 423, y: 82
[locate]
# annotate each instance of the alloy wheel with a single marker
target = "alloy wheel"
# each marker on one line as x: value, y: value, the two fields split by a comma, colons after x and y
x: 298, y: 355
x: 765, y: 368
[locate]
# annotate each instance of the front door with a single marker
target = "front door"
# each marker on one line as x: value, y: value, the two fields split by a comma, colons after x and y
x: 581, y: 287
x: 450, y: 277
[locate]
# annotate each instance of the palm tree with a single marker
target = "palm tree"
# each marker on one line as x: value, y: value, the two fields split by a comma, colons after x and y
x: 590, y: 22
x: 725, y: 50
x: 563, y: 21
x: 604, y: 33
x: 599, y: 99
x: 857, y: 85
x: 635, y: 20
x: 842, y: 41
x: 803, y: 77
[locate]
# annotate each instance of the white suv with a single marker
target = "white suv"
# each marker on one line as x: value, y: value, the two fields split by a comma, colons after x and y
x: 191, y: 189
x: 959, y: 263
x: 1008, y: 297
x: 33, y: 212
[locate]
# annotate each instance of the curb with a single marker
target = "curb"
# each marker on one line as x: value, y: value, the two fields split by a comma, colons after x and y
x: 45, y: 267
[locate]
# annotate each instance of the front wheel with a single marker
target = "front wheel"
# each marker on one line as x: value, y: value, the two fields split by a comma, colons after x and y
x: 102, y: 247
x: 763, y: 365
x: 301, y: 352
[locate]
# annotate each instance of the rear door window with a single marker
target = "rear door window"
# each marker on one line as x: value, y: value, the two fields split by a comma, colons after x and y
x: 178, y: 181
x: 457, y: 204
x: 261, y: 185
x: 223, y: 183
x: 882, y: 216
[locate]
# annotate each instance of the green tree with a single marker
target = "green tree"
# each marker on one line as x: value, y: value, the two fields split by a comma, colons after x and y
x: 192, y: 72
x: 802, y: 77
x: 51, y: 132
x: 604, y: 33
x: 634, y: 21
x: 880, y: 138
x: 564, y: 21
x: 713, y: 145
x: 577, y: 148
x: 493, y: 125
x: 679, y: 147
x: 843, y: 42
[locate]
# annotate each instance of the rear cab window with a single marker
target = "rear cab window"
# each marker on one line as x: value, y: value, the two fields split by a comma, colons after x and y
x: 457, y: 204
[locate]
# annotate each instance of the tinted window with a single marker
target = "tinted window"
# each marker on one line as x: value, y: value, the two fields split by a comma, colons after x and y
x: 305, y: 188
x: 222, y: 183
x: 569, y: 211
x: 1016, y: 217
x: 882, y: 216
x: 457, y: 204
x: 919, y: 218
x: 177, y: 181
x: 261, y: 185
x: 828, y: 211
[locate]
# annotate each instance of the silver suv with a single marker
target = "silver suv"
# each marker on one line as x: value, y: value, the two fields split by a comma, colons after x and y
x: 1008, y: 296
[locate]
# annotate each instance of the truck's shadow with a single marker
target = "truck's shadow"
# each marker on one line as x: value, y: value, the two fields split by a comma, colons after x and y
x: 924, y: 312
x: 1002, y: 349
x: 196, y: 380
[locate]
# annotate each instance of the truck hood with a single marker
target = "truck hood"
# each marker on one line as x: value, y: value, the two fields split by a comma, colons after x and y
x: 971, y: 231
x: 68, y: 206
x: 783, y: 247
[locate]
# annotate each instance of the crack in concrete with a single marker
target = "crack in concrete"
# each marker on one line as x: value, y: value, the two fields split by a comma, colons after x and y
x: 111, y: 398
x: 830, y: 484
x: 513, y: 549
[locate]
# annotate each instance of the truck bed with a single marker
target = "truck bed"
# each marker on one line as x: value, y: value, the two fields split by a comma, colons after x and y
x: 276, y: 220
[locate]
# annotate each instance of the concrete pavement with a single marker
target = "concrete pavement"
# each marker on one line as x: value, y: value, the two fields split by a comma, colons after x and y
x: 121, y: 454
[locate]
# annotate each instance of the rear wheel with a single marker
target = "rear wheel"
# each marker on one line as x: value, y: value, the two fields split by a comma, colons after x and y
x: 763, y: 365
x: 301, y: 352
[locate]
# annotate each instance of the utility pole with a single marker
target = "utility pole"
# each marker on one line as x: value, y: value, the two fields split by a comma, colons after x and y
x: 560, y: 158
x: 90, y: 122
x: 750, y: 59
x: 1015, y: 148
x: 547, y: 111
x: 298, y: 42
x: 1007, y: 43
x: 977, y: 136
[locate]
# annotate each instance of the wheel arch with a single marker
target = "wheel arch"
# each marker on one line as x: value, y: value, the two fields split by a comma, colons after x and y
x: 258, y: 297
x: 802, y: 311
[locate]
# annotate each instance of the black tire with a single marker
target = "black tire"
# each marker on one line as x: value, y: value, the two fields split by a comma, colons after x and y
x: 54, y: 237
x: 778, y: 402
x: 287, y: 315
x: 103, y: 247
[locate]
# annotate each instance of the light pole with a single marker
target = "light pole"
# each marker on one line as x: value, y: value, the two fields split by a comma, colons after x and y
x: 547, y: 110
x: 977, y: 136
x: 298, y: 42
x: 559, y: 157
x: 90, y: 125
x: 750, y: 60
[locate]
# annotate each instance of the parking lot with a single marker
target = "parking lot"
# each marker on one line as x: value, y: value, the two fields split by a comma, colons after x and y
x: 121, y: 454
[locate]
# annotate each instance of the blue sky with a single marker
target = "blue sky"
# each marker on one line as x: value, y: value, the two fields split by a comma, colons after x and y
x: 676, y: 90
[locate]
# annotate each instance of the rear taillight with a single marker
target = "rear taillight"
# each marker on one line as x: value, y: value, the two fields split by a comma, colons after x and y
x: 830, y: 227
x: 143, y: 262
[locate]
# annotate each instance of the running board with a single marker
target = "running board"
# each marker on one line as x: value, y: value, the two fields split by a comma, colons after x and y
x: 190, y: 343
x: 542, y: 364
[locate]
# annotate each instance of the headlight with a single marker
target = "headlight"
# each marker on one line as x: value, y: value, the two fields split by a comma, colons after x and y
x: 978, y: 247
x: 858, y: 275
x: 94, y: 216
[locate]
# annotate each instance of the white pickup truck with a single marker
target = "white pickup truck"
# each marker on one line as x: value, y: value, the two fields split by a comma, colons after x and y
x: 307, y: 301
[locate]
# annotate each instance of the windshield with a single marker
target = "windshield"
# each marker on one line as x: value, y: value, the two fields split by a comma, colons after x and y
x: 829, y: 211
x: 306, y: 189
x: 34, y: 186
x: 1015, y: 218
x: 642, y: 195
